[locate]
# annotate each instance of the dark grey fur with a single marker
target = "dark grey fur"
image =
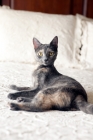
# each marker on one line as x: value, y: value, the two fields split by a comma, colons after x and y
x: 52, y: 90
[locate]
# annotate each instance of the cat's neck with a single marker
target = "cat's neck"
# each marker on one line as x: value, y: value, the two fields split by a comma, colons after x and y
x: 50, y: 68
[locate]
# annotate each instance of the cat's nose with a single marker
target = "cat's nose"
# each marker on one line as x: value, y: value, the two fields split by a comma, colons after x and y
x: 46, y: 59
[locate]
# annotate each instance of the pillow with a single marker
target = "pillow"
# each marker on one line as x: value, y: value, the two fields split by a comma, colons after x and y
x: 17, y: 29
x: 89, y: 51
x: 86, y: 53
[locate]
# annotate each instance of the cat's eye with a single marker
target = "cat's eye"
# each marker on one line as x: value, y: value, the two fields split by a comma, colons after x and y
x: 51, y: 53
x: 40, y: 54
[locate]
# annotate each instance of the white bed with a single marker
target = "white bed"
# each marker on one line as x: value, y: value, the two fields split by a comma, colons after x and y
x: 14, y: 125
x: 15, y: 68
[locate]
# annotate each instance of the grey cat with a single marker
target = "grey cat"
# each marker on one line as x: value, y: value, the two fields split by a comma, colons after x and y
x: 51, y: 90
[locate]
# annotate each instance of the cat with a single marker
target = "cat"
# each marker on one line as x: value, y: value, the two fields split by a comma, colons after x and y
x: 51, y: 90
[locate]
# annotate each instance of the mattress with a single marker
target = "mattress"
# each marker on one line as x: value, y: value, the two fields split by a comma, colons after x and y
x: 17, y: 125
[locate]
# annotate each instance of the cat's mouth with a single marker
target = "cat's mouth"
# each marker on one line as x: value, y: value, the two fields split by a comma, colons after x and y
x: 46, y: 63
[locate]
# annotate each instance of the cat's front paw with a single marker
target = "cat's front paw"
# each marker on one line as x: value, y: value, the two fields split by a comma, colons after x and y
x: 14, y: 87
x: 21, y: 99
x: 14, y: 106
x: 12, y: 96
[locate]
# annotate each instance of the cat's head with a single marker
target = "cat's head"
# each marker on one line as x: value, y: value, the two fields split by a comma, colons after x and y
x: 46, y: 53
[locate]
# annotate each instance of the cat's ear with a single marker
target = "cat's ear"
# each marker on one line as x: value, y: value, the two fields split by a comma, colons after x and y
x: 36, y: 43
x: 54, y: 42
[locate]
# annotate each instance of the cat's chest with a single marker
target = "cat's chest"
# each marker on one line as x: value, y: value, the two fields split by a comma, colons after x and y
x: 41, y: 75
x: 44, y: 76
x: 42, y: 72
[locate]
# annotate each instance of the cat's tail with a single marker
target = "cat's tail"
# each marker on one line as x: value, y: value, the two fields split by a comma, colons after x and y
x: 84, y: 106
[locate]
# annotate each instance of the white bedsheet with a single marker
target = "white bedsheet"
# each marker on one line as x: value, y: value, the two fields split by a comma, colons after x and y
x: 56, y: 125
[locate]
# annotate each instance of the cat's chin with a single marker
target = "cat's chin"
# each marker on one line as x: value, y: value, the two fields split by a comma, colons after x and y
x: 45, y: 64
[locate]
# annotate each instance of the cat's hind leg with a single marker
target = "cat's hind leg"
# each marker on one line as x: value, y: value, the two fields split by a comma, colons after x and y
x: 44, y: 100
x: 25, y: 107
x: 39, y: 103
